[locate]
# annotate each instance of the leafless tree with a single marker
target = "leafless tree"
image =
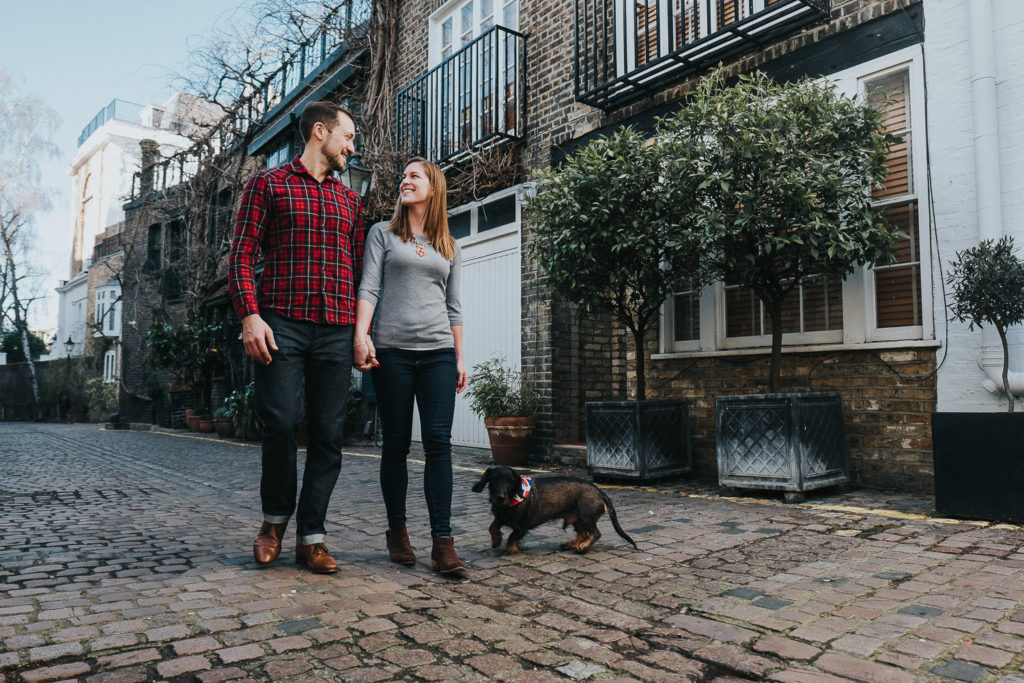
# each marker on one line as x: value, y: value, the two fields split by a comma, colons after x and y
x: 27, y: 126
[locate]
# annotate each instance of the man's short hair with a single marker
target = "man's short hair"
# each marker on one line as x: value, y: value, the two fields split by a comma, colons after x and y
x: 320, y: 112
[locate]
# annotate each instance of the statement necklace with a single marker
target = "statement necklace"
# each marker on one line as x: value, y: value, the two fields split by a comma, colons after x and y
x: 420, y: 251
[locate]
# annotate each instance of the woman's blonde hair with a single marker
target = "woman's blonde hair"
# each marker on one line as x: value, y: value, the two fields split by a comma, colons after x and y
x: 435, y: 223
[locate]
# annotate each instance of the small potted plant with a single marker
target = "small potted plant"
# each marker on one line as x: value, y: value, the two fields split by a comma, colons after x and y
x: 979, y: 473
x: 241, y: 410
x: 222, y: 423
x: 507, y: 401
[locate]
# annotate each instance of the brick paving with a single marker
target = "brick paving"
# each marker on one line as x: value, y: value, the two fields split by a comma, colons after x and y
x: 124, y: 556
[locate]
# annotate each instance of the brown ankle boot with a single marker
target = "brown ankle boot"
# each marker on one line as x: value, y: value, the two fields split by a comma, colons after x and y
x: 398, y: 547
x: 444, y: 559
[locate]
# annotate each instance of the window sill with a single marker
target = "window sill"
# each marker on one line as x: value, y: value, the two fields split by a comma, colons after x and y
x: 807, y: 348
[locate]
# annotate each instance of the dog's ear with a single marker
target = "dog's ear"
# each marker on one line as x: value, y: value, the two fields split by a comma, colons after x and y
x: 479, y: 486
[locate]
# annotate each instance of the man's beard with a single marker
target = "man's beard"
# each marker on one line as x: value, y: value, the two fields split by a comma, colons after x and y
x: 336, y: 162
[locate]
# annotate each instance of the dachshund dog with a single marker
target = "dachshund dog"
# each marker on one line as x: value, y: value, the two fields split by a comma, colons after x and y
x: 524, y: 502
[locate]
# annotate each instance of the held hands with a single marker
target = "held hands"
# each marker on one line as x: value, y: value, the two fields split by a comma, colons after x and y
x: 364, y: 354
x: 257, y: 338
x: 463, y: 378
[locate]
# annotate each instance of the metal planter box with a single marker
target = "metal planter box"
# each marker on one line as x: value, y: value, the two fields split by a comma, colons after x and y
x: 791, y: 442
x: 979, y: 465
x: 638, y: 440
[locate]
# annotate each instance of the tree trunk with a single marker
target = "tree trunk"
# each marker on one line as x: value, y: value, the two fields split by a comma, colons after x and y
x: 641, y: 378
x: 775, y: 367
x: 27, y: 350
x: 1006, y: 366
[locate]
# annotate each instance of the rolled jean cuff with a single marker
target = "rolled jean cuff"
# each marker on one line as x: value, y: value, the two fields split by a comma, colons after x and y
x: 276, y: 519
x: 312, y: 538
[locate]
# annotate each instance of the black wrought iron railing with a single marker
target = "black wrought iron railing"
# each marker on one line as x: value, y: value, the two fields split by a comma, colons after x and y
x: 473, y: 99
x: 626, y: 49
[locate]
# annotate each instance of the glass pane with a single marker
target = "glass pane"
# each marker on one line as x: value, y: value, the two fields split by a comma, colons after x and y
x: 686, y: 314
x: 890, y: 94
x: 742, y: 313
x: 446, y: 33
x: 822, y: 305
x: 511, y: 19
x: 898, y: 296
x: 497, y: 213
x: 467, y: 23
x: 904, y: 217
x: 459, y: 225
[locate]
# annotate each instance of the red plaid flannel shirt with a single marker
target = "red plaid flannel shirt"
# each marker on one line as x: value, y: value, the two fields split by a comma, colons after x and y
x: 311, y: 235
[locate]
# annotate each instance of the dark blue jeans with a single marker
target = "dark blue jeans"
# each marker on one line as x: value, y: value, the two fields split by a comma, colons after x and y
x: 322, y: 354
x: 430, y: 377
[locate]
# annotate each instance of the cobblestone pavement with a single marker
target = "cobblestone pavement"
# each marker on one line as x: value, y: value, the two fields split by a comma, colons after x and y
x: 125, y: 556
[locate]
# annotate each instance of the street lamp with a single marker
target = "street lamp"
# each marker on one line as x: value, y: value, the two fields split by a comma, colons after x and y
x: 69, y: 345
x: 356, y: 176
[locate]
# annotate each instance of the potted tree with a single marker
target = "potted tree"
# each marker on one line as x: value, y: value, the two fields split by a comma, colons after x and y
x: 605, y: 234
x: 507, y: 401
x: 979, y: 472
x: 787, y: 171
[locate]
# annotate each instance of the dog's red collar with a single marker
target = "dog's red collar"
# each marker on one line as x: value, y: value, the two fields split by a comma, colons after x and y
x: 523, y: 492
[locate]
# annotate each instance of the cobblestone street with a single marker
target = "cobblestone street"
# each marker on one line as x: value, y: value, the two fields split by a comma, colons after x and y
x: 125, y: 556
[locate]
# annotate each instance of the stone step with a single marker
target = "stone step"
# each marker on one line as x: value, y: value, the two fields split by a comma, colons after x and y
x: 569, y: 454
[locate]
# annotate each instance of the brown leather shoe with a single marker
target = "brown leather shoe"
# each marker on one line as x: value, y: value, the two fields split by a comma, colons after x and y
x: 267, y: 545
x: 399, y: 549
x: 316, y: 558
x: 444, y: 559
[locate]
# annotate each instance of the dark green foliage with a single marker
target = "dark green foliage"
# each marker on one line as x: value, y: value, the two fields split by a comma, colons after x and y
x: 785, y: 175
x: 11, y: 345
x: 988, y: 289
x: 184, y: 350
x: 499, y: 391
x: 240, y: 406
x: 605, y: 232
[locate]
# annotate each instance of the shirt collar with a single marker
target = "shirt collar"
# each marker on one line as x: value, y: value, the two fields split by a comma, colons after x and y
x: 299, y: 168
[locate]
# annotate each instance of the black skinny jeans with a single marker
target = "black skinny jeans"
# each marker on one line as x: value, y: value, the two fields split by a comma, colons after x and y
x: 323, y: 355
x: 431, y: 378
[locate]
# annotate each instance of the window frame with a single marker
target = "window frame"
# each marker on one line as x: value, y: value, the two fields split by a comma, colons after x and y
x: 858, y: 292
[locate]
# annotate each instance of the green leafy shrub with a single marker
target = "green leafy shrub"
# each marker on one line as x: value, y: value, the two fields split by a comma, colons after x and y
x: 102, y: 396
x: 496, y: 390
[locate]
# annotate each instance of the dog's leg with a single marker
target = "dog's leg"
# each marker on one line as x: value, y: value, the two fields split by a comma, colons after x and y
x: 589, y: 538
x: 512, y: 545
x: 495, y: 530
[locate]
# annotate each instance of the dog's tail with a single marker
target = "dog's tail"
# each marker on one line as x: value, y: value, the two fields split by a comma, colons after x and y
x: 615, y: 520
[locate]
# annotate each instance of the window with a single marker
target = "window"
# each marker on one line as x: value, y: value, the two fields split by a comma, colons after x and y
x: 110, y: 366
x: 496, y: 215
x: 881, y: 303
x: 153, y: 244
x: 279, y: 157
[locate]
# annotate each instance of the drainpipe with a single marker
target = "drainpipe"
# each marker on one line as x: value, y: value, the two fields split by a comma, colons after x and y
x: 986, y: 169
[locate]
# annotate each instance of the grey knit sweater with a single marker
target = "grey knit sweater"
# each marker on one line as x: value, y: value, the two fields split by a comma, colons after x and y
x: 417, y: 297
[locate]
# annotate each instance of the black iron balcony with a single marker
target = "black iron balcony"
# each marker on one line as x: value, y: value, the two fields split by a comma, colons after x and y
x: 472, y: 100
x: 626, y: 49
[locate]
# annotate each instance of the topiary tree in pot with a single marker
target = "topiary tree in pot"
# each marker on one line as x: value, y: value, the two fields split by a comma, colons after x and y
x: 787, y: 172
x: 606, y: 237
x: 979, y: 473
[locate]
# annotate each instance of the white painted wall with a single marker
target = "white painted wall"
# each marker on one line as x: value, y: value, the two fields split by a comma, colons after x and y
x: 954, y: 189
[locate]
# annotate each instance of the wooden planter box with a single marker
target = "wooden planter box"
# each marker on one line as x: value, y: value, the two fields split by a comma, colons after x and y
x: 979, y: 465
x: 789, y: 442
x: 639, y: 440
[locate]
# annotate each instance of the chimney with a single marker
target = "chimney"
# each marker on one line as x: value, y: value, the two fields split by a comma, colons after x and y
x: 150, y: 154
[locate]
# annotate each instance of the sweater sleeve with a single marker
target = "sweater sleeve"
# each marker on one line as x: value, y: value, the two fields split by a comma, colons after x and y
x: 452, y: 289
x: 373, y: 265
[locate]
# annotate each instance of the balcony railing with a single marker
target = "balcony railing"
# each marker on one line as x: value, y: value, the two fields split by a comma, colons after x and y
x: 117, y: 109
x: 472, y: 100
x: 626, y: 49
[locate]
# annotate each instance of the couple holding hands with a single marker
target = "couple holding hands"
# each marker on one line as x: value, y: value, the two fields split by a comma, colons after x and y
x: 308, y: 318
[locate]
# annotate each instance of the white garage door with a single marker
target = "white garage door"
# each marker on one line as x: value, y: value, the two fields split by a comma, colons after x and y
x: 491, y: 308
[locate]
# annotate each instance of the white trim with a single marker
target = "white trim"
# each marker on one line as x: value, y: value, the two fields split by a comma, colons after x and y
x: 806, y: 348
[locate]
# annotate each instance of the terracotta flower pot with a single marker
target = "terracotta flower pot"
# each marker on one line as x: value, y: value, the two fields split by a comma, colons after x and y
x: 206, y: 426
x: 192, y: 421
x: 510, y: 439
x: 224, y: 428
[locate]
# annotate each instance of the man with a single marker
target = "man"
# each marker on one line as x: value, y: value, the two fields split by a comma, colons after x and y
x: 297, y: 324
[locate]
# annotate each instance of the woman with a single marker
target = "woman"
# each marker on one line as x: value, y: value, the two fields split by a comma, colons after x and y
x: 411, y: 276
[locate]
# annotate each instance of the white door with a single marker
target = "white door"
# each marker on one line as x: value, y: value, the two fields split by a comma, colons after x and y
x: 491, y: 307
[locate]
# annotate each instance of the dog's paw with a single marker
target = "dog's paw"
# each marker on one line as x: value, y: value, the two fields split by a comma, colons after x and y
x: 496, y: 539
x: 511, y: 549
x: 568, y: 545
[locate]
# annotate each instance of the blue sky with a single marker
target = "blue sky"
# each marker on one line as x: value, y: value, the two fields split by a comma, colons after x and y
x: 78, y: 55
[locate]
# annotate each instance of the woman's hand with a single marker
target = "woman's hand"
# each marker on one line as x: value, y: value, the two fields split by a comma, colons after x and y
x: 463, y: 378
x: 364, y: 355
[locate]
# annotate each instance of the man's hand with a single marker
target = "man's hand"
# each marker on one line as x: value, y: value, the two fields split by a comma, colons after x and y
x: 364, y: 354
x: 257, y: 338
